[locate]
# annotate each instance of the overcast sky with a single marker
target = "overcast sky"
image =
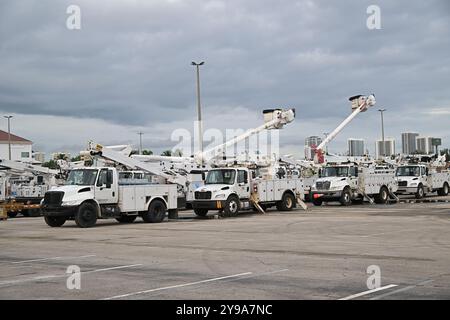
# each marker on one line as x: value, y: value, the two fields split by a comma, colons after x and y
x: 128, y: 69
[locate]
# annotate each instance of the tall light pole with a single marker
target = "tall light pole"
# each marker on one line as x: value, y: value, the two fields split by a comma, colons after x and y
x: 140, y: 141
x: 382, y: 131
x: 199, y: 108
x: 9, y: 135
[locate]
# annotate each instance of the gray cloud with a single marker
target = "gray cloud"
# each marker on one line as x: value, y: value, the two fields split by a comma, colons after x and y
x: 129, y: 65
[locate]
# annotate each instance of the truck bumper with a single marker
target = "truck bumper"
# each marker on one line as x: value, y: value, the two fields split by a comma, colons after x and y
x: 406, y: 190
x: 210, y: 205
x: 326, y: 195
x: 67, y: 212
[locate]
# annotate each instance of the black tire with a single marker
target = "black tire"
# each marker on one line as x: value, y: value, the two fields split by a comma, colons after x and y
x: 444, y: 190
x: 317, y: 201
x: 231, y: 208
x: 126, y: 219
x: 26, y: 213
x: 86, y: 216
x: 346, y: 197
x: 287, y: 202
x: 201, y: 212
x: 156, y: 212
x: 420, y: 192
x: 12, y: 214
x: 54, y: 222
x: 383, y: 196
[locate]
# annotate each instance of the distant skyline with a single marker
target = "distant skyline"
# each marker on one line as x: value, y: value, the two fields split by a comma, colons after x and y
x: 128, y: 69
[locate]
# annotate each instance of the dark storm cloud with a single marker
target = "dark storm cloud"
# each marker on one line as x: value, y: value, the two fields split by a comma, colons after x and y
x: 130, y: 62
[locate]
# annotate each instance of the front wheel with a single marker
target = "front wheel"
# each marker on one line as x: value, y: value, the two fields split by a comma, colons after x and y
x: 126, y: 219
x: 420, y: 192
x: 86, y: 216
x: 201, y: 212
x: 54, y: 222
x: 231, y: 208
x: 346, y: 197
x: 156, y: 212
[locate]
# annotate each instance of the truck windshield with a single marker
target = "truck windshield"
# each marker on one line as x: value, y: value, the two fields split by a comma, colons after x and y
x: 220, y: 177
x: 412, y: 171
x: 84, y: 177
x: 334, y: 172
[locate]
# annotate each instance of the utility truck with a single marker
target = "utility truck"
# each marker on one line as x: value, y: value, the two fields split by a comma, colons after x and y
x: 420, y: 179
x: 92, y: 193
x: 352, y: 182
x: 232, y: 189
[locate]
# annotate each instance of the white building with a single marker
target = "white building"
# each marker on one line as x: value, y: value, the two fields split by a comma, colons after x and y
x: 409, y: 142
x: 39, y: 157
x: 424, y: 145
x: 310, y: 144
x: 355, y: 147
x: 21, y: 149
x: 386, y: 150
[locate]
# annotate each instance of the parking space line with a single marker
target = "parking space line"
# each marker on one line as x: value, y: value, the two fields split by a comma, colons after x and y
x: 368, y: 292
x: 20, y: 281
x: 177, y: 286
x: 52, y: 258
x: 401, y: 290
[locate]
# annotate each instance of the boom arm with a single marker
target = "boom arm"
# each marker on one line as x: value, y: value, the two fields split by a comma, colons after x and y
x: 25, y: 167
x: 275, y: 119
x: 359, y: 104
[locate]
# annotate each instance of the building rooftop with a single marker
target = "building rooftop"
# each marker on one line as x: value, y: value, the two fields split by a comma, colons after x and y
x: 14, y: 138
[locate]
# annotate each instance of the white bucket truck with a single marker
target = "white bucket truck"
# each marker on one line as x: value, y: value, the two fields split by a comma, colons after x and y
x: 420, y: 179
x: 350, y: 182
x: 92, y: 193
x: 230, y: 190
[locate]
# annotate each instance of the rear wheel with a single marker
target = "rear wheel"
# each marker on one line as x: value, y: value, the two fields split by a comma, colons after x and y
x: 383, y: 196
x: 444, y: 190
x: 317, y: 201
x: 86, y: 216
x: 346, y: 197
x: 156, y: 212
x: 54, y: 221
x: 231, y: 208
x: 126, y: 219
x: 420, y: 192
x: 287, y: 202
x: 201, y: 212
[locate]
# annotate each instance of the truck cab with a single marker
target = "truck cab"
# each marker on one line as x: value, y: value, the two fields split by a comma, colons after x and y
x: 335, y: 183
x: 225, y: 189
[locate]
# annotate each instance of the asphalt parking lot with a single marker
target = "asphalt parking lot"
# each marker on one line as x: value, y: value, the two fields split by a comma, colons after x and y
x: 323, y: 253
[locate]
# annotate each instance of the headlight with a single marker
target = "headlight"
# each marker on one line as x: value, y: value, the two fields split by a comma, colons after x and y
x: 220, y: 195
x: 414, y: 184
x: 70, y: 203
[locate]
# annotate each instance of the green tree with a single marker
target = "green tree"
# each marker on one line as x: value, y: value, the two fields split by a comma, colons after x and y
x: 51, y: 164
x: 167, y: 153
x: 75, y: 159
x: 147, y: 152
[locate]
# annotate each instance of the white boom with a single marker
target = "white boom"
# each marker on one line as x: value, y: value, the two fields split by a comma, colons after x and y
x: 360, y: 103
x: 134, y: 164
x: 274, y: 119
x: 21, y: 167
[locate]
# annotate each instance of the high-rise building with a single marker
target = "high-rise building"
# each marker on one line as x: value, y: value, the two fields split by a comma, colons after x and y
x: 39, y: 156
x: 310, y: 143
x: 386, y: 150
x: 355, y: 147
x: 409, y: 142
x: 424, y: 145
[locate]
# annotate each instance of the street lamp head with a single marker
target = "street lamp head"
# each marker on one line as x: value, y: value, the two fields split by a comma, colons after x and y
x: 198, y: 64
x: 381, y: 110
x: 8, y: 117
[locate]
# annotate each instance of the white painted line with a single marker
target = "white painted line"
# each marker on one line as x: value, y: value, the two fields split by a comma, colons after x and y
x: 4, y: 283
x: 53, y: 258
x: 368, y: 292
x: 177, y: 286
x: 401, y: 290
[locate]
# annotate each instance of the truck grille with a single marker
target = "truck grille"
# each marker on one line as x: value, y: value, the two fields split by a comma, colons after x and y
x: 53, y: 198
x: 323, y: 185
x: 402, y: 183
x: 202, y: 195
